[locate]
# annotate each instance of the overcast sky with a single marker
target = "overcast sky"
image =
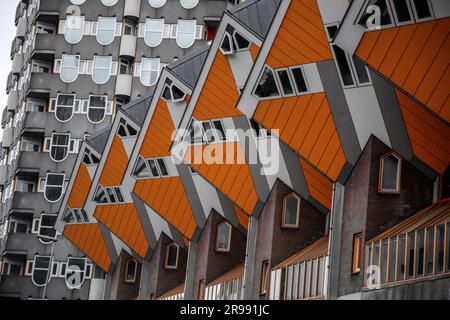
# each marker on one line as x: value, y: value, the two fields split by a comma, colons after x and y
x: 7, y: 15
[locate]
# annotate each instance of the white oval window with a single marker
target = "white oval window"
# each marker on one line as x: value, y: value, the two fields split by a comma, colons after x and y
x: 65, y: 103
x: 75, y: 272
x: 54, y: 187
x: 106, y: 31
x: 69, y: 68
x: 186, y: 33
x: 101, y: 69
x: 109, y: 3
x: 97, y: 108
x: 154, y: 29
x: 74, y: 29
x: 150, y: 68
x: 157, y: 3
x: 189, y: 4
x: 77, y: 2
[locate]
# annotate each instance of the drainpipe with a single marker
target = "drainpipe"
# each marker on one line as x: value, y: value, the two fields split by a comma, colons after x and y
x: 250, y: 250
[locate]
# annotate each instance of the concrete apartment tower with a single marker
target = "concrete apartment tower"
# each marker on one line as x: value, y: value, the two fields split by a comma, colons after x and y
x: 74, y: 63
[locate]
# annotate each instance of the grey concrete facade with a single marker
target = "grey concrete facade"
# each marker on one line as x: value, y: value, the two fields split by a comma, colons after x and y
x: 38, y: 76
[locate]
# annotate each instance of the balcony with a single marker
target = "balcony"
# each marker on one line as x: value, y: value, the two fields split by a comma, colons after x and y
x: 229, y: 286
x: 40, y: 83
x: 128, y: 46
x: 123, y: 85
x: 8, y: 137
x: 3, y: 174
x: 14, y: 285
x: 16, y: 242
x: 27, y: 200
x: 13, y: 100
x: 132, y: 8
x: 21, y: 28
x: 40, y: 163
x: 17, y: 65
x: 44, y: 47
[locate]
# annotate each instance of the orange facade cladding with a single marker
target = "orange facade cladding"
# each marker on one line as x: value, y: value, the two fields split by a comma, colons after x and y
x: 158, y: 138
x: 227, y: 170
x: 167, y: 197
x: 415, y: 58
x: 254, y: 51
x: 89, y: 239
x: 242, y: 217
x: 80, y: 189
x: 123, y: 220
x: 306, y: 124
x: 219, y: 94
x: 115, y: 165
x: 320, y: 188
x: 301, y: 38
x: 429, y: 136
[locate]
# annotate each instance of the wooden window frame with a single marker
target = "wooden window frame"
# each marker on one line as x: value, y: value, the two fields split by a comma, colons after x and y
x: 356, y: 253
x: 166, y: 260
x: 130, y: 281
x: 290, y: 226
x: 399, y: 174
x: 265, y: 275
x: 221, y: 250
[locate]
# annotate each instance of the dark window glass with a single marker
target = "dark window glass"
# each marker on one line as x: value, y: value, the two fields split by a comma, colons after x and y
x: 167, y: 94
x: 153, y: 168
x: 390, y: 173
x: 401, y: 258
x: 208, y: 132
x: 177, y: 93
x: 141, y: 170
x: 267, y: 86
x: 331, y: 30
x: 361, y: 70
x: 410, y: 254
x: 162, y: 167
x: 172, y: 255
x: 385, y: 17
x: 291, y: 211
x: 131, y: 271
x: 112, y: 197
x: 285, y: 82
x: 440, y: 248
x: 299, y: 79
x: 420, y: 253
x: 119, y: 194
x: 220, y: 131
x: 226, y: 44
x: 429, y: 261
x: 344, y: 68
x: 392, y: 255
x: 241, y: 42
x: 422, y: 8
x: 402, y: 10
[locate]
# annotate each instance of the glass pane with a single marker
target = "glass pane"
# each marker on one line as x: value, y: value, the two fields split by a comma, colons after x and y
x: 172, y: 256
x: 402, y: 10
x: 267, y: 86
x: 141, y: 170
x: 420, y: 252
x: 299, y: 79
x: 307, y: 280
x: 291, y: 210
x: 384, y: 16
x: 410, y: 254
x: 285, y: 82
x: 392, y: 259
x: 429, y: 259
x: 440, y: 248
x: 295, y: 279
x: 301, y: 281
x: 448, y: 246
x: 344, y: 68
x: 390, y: 170
x: 384, y: 257
x: 153, y: 168
x: 422, y: 8
x: 320, y: 276
x: 283, y: 284
x: 314, y: 278
x: 361, y: 70
x: 289, y: 283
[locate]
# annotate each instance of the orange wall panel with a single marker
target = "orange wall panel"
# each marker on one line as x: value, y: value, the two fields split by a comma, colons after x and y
x: 80, y: 189
x: 158, y: 139
x: 429, y: 136
x: 415, y: 58
x: 319, y: 186
x: 167, y: 197
x: 219, y: 94
x: 89, y: 239
x: 301, y: 38
x: 123, y: 221
x: 306, y: 124
x: 115, y: 165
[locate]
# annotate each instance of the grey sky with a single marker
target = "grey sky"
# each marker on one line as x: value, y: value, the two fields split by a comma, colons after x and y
x: 7, y: 14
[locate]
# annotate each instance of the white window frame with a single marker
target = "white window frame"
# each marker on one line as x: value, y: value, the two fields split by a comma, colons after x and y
x: 56, y: 186
x: 89, y: 107
x: 113, y: 31
x: 149, y: 65
x: 228, y: 248
x: 181, y: 32
x: 48, y: 270
x: 153, y: 26
x: 46, y: 238
x: 285, y: 225
x: 166, y: 260
x: 58, y: 146
x: 78, y: 26
x: 103, y: 69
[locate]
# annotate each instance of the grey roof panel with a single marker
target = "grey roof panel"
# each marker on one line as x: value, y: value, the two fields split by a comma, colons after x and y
x: 99, y: 140
x: 138, y: 108
x: 188, y: 68
x: 256, y: 14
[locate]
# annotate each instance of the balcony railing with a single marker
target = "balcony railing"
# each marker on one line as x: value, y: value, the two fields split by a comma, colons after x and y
x: 418, y: 248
